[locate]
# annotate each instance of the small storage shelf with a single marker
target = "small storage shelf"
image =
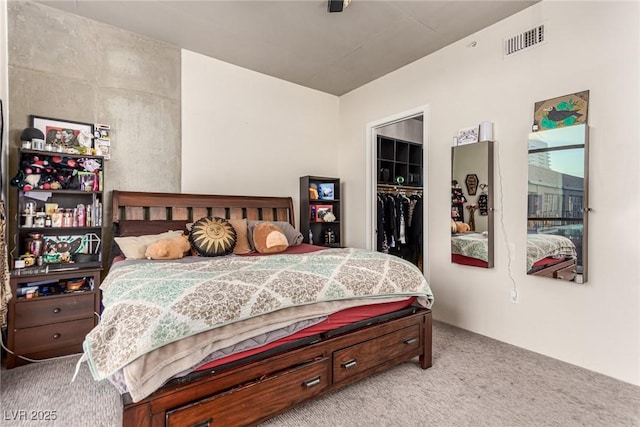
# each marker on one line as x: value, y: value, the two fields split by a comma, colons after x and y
x: 318, y: 196
x: 56, y: 243
x: 399, y: 162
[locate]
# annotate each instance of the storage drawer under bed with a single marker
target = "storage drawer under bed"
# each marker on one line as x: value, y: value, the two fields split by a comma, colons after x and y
x: 272, y: 394
x: 358, y: 359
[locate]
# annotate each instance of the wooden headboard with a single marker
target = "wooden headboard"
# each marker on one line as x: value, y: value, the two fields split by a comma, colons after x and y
x: 133, y: 205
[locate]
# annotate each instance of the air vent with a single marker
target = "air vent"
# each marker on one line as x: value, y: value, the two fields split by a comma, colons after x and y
x: 525, y: 40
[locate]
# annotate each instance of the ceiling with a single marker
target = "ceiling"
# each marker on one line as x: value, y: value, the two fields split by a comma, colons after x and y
x: 300, y: 41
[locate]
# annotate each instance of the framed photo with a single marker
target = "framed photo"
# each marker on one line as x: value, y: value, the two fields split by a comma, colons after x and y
x: 102, y: 140
x: 568, y: 110
x: 468, y: 135
x: 325, y: 191
x: 65, y: 136
x: 321, y: 211
x: 88, y: 181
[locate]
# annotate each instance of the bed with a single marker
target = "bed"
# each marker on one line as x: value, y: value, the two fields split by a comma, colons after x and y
x: 547, y: 254
x: 338, y: 345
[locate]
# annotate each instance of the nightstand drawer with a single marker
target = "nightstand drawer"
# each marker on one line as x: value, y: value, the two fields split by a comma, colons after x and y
x: 42, y: 338
x: 53, y: 309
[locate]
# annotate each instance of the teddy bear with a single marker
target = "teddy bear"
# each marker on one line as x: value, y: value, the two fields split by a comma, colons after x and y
x: 173, y: 248
x: 462, y: 227
x: 313, y: 191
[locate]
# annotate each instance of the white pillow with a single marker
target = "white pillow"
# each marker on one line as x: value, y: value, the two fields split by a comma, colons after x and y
x: 134, y: 247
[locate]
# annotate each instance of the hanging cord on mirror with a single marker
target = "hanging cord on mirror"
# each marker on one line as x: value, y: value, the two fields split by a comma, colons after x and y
x: 505, y: 237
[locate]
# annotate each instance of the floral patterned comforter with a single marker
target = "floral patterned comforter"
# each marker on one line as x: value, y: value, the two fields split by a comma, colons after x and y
x: 473, y: 245
x: 541, y: 246
x: 149, y: 304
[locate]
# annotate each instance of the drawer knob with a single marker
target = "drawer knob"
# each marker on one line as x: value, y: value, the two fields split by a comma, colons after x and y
x: 56, y: 336
x: 410, y: 341
x: 205, y: 423
x: 56, y: 310
x: 312, y: 382
x: 349, y: 364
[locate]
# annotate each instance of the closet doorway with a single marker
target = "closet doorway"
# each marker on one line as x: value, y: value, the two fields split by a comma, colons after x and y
x: 396, y: 183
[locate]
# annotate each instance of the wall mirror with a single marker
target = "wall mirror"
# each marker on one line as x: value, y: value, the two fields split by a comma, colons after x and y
x: 557, y: 203
x: 472, y: 204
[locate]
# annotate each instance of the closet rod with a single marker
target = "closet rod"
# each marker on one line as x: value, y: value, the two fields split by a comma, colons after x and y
x: 392, y: 187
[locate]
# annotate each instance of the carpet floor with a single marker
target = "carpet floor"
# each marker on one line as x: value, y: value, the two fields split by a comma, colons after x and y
x: 475, y: 381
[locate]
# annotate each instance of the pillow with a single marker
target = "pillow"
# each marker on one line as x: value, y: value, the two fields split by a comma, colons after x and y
x: 212, y: 236
x: 294, y: 237
x: 268, y: 238
x: 242, y: 236
x: 135, y: 227
x: 134, y: 247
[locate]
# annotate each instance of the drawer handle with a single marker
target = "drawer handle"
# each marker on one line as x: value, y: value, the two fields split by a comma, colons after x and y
x: 205, y: 423
x: 312, y: 382
x: 56, y: 336
x: 349, y: 364
x: 410, y: 341
x: 56, y: 310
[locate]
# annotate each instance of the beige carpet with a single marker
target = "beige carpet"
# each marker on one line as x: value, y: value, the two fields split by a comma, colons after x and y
x: 475, y: 381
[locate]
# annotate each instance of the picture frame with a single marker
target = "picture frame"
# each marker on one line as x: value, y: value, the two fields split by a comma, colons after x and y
x: 468, y: 135
x: 65, y: 136
x: 321, y: 211
x: 102, y: 140
x: 563, y: 111
x: 326, y: 191
x: 88, y: 181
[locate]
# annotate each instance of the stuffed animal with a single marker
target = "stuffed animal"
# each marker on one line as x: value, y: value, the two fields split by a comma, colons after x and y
x: 461, y: 227
x: 173, y: 248
x: 313, y: 191
x: 268, y: 238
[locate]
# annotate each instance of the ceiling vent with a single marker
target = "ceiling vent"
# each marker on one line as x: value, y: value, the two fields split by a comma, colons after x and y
x: 525, y: 40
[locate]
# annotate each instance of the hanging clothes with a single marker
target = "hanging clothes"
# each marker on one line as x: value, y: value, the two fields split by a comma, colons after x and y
x: 399, y: 225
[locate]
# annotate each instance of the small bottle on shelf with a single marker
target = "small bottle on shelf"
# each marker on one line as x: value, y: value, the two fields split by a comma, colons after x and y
x: 310, y: 237
x: 81, y: 218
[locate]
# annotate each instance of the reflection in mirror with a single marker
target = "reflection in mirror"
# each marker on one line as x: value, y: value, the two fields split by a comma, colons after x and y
x: 557, y: 201
x: 472, y: 204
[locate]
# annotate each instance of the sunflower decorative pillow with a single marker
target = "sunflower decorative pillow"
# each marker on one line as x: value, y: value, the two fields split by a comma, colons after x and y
x: 212, y: 236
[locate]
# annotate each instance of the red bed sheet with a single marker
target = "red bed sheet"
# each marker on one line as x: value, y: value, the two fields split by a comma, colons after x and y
x: 465, y: 260
x: 333, y: 321
x: 302, y: 248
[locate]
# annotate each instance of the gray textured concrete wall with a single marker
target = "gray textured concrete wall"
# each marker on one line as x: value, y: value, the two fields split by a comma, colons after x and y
x: 65, y: 66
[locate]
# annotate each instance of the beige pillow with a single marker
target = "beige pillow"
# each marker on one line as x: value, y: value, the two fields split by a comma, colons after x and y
x: 242, y: 236
x: 134, y: 247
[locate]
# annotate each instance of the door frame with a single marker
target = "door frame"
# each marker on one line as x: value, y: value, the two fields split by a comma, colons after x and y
x: 372, y: 178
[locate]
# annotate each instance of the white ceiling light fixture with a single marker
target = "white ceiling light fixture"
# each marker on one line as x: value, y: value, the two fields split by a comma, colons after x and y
x: 338, y: 5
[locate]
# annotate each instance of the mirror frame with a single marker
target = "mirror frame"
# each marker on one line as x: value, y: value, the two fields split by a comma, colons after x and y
x: 490, y: 194
x: 582, y: 277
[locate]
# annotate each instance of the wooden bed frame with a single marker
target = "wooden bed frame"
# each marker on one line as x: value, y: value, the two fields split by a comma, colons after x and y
x: 565, y: 270
x: 255, y: 390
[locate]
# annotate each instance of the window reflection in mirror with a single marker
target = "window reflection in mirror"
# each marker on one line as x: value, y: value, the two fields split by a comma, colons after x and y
x: 472, y: 204
x: 557, y: 198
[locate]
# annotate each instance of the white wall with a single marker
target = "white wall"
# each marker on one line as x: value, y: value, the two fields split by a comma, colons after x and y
x: 591, y: 45
x: 250, y: 134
